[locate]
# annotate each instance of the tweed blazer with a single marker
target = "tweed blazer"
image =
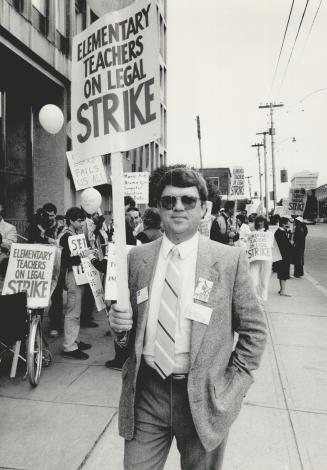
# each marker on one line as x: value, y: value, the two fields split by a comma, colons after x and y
x: 219, y: 374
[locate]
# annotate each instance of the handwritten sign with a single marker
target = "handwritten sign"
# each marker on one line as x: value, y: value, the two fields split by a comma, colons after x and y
x: 95, y: 283
x: 116, y: 82
x: 237, y: 183
x: 77, y: 243
x: 88, y: 173
x: 111, y: 273
x: 206, y: 222
x: 30, y: 269
x: 259, y: 246
x: 137, y: 186
x: 297, y: 201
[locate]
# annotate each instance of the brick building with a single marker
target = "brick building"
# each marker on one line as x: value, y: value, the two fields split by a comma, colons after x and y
x: 220, y: 177
x: 35, y: 56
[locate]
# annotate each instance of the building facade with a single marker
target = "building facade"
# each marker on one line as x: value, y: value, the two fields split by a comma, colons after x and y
x: 35, y: 55
x: 304, y: 179
x: 221, y: 178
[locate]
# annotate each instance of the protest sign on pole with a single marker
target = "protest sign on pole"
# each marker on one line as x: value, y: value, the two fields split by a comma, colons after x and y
x: 77, y: 243
x: 94, y: 280
x: 237, y: 182
x: 30, y: 269
x: 137, y: 186
x: 259, y: 246
x: 116, y: 82
x: 88, y: 173
x: 111, y: 292
x: 206, y: 222
x: 297, y: 201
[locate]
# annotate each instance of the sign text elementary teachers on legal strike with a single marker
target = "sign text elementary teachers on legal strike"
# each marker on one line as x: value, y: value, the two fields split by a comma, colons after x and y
x: 115, y: 82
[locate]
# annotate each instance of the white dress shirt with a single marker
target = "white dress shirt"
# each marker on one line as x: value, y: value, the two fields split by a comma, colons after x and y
x: 188, y: 253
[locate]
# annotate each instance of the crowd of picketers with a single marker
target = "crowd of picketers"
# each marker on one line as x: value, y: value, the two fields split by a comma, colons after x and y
x: 48, y: 227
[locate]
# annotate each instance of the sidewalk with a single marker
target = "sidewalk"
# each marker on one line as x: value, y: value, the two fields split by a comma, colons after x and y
x: 69, y: 421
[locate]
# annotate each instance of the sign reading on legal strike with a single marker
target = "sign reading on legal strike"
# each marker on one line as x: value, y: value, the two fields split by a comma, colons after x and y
x: 30, y: 269
x: 87, y: 173
x: 297, y: 201
x: 137, y: 186
x: 115, y: 82
x: 260, y: 246
x: 237, y: 183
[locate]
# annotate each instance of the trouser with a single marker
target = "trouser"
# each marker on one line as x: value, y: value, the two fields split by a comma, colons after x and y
x: 162, y: 412
x: 56, y: 309
x: 260, y: 272
x: 73, y: 313
x: 87, y: 305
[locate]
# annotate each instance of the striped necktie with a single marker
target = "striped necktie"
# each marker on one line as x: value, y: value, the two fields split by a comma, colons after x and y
x: 164, y: 353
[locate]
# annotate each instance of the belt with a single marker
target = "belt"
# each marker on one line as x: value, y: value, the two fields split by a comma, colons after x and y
x: 178, y: 376
x: 150, y: 370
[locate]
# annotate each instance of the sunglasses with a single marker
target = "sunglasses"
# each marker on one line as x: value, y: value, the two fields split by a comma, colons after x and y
x: 169, y: 202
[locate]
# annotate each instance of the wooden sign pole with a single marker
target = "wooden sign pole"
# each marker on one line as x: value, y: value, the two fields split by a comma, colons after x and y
x: 117, y: 181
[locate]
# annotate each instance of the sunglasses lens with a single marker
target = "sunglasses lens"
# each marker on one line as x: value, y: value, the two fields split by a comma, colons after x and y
x: 188, y: 202
x: 168, y: 202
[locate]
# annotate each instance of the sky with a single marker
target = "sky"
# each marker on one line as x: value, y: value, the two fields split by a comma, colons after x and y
x: 221, y: 61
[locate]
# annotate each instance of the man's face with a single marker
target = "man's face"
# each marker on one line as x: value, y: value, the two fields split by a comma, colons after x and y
x: 78, y: 224
x: 51, y: 217
x: 181, y: 222
x: 134, y: 218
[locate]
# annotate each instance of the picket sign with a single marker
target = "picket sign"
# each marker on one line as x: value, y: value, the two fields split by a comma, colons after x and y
x: 111, y: 288
x: 77, y: 243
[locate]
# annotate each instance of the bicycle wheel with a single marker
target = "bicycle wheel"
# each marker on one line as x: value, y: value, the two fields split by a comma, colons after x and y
x: 34, y: 352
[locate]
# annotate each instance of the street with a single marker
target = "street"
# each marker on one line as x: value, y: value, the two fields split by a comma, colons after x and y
x: 316, y: 253
x: 69, y: 422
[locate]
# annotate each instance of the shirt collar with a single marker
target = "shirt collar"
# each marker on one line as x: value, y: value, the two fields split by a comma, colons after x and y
x: 184, y: 248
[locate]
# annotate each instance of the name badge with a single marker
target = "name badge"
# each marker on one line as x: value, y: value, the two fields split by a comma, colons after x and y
x: 203, y: 289
x: 200, y: 313
x: 142, y: 295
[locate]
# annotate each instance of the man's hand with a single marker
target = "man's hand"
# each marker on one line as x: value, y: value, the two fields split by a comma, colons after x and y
x: 120, y: 319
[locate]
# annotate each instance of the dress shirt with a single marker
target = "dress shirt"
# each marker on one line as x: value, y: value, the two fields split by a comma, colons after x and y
x: 188, y: 253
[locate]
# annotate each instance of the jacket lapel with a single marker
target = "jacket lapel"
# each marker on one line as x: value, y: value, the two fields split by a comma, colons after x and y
x: 146, y: 272
x: 206, y: 270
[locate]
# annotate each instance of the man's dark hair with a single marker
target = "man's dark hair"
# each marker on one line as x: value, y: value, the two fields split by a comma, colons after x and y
x: 183, y: 178
x: 283, y: 221
x: 131, y: 209
x: 241, y: 217
x: 49, y: 207
x: 74, y: 213
x: 274, y: 219
x: 258, y: 220
x: 151, y: 218
x: 229, y: 205
x: 129, y: 201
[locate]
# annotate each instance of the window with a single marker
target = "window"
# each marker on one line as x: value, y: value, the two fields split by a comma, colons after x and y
x: 80, y: 16
x: 215, y: 181
x: 40, y: 15
x: 62, y: 41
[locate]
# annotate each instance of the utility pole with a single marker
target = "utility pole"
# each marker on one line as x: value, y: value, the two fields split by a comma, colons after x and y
x: 272, y: 133
x: 260, y: 173
x: 249, y: 183
x: 199, y: 137
x: 265, y: 168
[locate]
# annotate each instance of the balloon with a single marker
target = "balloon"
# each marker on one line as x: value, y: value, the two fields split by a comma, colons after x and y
x: 91, y: 200
x: 51, y: 118
x: 101, y: 7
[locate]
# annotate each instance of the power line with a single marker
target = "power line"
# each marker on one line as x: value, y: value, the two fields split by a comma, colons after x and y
x: 295, y: 40
x: 281, y: 48
x: 314, y: 19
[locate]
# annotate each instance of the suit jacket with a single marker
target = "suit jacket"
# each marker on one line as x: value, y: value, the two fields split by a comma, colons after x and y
x: 219, y: 376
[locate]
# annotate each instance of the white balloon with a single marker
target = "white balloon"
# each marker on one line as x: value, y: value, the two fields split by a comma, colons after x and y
x: 91, y: 200
x: 101, y: 7
x: 51, y: 118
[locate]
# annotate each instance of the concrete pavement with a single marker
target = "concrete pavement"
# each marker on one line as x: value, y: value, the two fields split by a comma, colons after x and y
x: 69, y: 422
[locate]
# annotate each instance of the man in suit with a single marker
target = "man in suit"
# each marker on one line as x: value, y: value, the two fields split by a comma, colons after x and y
x: 188, y: 295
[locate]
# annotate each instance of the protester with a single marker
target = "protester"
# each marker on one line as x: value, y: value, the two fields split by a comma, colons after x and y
x: 222, y: 228
x: 184, y: 379
x: 260, y: 270
x: 134, y: 214
x: 299, y: 236
x: 129, y: 202
x: 243, y: 231
x: 286, y: 249
x: 152, y: 226
x: 72, y: 346
x: 43, y: 227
